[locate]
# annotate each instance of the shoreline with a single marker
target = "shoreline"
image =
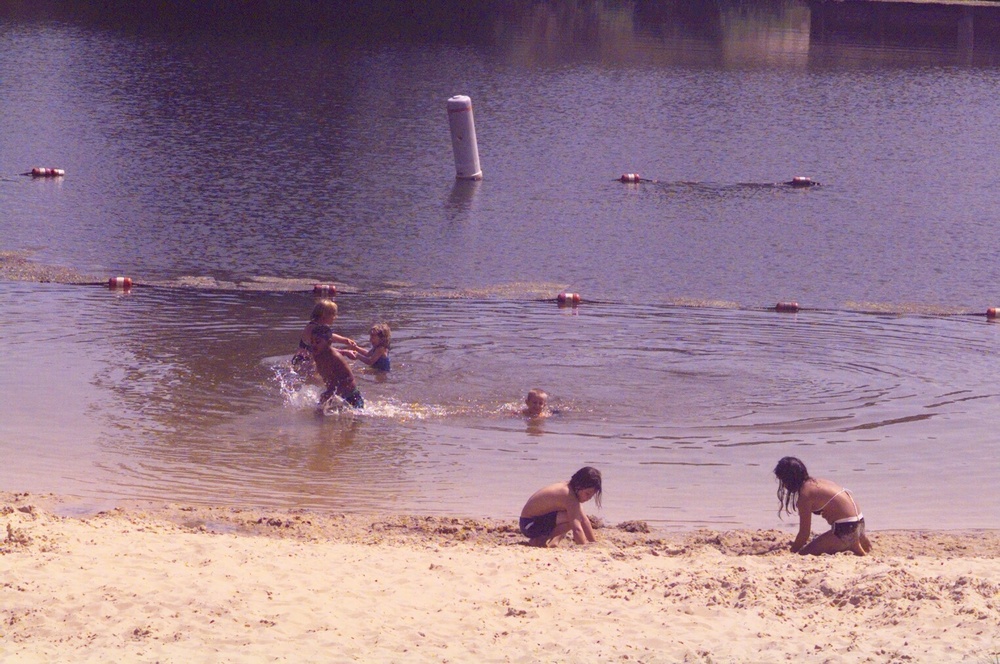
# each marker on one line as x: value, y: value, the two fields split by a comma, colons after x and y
x: 170, y: 583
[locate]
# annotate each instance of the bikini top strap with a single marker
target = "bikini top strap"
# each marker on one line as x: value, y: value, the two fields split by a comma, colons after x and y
x: 827, y: 503
x: 857, y: 512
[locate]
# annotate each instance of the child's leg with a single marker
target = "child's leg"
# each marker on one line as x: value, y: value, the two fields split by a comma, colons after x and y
x: 553, y: 538
x: 563, y: 526
x: 825, y: 543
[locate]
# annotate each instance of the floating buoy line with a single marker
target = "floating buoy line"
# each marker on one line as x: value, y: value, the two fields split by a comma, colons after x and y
x: 798, y: 182
x: 563, y: 299
x: 43, y: 172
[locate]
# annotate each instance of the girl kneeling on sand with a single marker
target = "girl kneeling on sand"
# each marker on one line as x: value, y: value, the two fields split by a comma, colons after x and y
x: 812, y: 495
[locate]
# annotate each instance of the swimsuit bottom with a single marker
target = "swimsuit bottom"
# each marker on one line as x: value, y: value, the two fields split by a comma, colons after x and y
x: 538, y: 526
x: 850, y: 530
x: 301, y: 360
x: 354, y: 398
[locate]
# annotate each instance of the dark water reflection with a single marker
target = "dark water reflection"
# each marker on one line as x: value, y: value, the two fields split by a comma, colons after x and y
x: 229, y: 156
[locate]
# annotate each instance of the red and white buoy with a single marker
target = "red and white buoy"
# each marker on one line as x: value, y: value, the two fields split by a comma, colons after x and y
x: 47, y: 172
x: 568, y: 299
x: 993, y: 312
x: 630, y: 177
x: 324, y: 289
x: 787, y: 307
x: 802, y: 181
x: 119, y: 283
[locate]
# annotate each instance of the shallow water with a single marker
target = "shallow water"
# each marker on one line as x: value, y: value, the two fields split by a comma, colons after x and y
x: 227, y: 176
x: 174, y: 394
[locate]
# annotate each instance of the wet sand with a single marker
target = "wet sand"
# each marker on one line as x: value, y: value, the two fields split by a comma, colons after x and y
x: 172, y: 583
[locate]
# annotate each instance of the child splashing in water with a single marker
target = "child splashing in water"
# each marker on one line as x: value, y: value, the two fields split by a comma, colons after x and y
x: 378, y: 356
x: 324, y: 313
x: 334, y: 370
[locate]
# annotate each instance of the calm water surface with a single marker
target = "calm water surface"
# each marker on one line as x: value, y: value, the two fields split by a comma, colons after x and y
x: 226, y: 173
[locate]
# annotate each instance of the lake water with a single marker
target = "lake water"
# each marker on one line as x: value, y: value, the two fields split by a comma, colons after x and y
x: 226, y: 162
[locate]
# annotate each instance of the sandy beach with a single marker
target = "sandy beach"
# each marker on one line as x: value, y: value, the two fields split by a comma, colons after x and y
x: 170, y: 583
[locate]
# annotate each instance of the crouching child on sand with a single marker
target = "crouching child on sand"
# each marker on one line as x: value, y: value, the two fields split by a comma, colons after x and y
x: 798, y: 492
x: 556, y: 510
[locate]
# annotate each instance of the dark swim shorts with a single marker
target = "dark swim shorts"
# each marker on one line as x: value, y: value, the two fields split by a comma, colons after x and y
x: 353, y: 399
x: 849, y: 532
x: 539, y: 526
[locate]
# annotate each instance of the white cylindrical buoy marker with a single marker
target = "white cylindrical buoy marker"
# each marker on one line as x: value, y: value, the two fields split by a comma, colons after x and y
x: 993, y: 312
x: 463, y: 138
x: 630, y: 177
x: 787, y: 307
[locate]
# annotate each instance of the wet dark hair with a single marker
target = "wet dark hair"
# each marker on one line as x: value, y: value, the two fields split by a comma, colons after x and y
x: 791, y: 474
x: 587, y: 478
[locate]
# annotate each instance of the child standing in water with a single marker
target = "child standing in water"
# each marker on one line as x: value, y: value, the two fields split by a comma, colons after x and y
x: 797, y: 491
x: 557, y: 509
x: 324, y: 313
x: 378, y: 357
x: 334, y: 370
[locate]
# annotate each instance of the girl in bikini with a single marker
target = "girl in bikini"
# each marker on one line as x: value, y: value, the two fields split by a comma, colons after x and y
x: 797, y: 491
x: 324, y: 313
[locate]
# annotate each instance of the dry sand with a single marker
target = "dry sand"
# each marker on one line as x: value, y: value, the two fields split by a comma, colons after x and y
x: 193, y: 584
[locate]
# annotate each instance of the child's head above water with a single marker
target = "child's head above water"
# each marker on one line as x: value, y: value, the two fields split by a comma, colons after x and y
x: 324, y: 309
x: 535, y: 402
x: 380, y: 335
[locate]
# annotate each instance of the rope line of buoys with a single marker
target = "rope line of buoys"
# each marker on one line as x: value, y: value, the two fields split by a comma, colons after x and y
x: 799, y: 181
x: 564, y: 299
x: 40, y: 172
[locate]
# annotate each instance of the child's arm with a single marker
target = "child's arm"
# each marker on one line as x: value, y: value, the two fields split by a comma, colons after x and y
x: 588, y: 530
x: 344, y: 341
x: 372, y: 356
x: 805, y: 529
x: 577, y: 515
